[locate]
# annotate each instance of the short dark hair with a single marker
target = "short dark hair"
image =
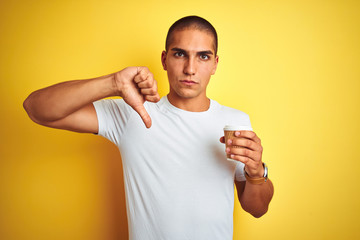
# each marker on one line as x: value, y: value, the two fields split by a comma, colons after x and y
x: 190, y: 22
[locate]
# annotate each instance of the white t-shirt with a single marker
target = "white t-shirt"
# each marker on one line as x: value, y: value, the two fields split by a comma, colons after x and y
x: 178, y: 183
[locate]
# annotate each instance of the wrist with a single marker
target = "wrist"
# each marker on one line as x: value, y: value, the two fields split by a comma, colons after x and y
x: 116, y: 84
x: 256, y: 179
x: 105, y: 86
x: 257, y: 174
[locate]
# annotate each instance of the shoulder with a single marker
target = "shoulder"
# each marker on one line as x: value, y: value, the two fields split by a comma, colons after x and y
x: 112, y: 107
x: 232, y: 115
x: 117, y: 103
x: 110, y: 101
x: 233, y: 111
x: 228, y: 110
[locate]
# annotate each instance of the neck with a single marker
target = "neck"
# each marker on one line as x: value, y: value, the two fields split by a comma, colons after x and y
x: 198, y: 104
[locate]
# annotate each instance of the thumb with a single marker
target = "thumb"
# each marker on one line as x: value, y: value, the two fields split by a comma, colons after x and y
x: 140, y: 109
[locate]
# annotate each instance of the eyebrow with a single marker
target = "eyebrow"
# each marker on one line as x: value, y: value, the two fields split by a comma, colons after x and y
x: 200, y: 52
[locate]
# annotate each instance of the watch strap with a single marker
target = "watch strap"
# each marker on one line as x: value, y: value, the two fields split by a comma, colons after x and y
x: 257, y: 181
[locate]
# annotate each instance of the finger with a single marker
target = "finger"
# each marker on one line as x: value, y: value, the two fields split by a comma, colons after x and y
x: 242, y: 159
x: 148, y: 91
x: 254, y: 156
x: 251, y: 166
x: 248, y: 134
x: 143, y: 75
x: 140, y: 109
x: 147, y: 83
x: 152, y: 98
x: 247, y: 143
x: 139, y: 78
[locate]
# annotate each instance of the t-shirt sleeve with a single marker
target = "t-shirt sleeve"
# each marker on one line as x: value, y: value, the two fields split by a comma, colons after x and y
x: 113, y: 115
x: 239, y: 171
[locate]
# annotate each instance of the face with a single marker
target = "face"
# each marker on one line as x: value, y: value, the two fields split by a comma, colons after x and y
x: 190, y: 61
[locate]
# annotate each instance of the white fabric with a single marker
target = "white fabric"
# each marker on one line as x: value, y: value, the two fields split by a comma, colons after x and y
x: 178, y: 182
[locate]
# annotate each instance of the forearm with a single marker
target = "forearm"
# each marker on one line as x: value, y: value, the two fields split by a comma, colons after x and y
x: 255, y: 199
x: 60, y: 100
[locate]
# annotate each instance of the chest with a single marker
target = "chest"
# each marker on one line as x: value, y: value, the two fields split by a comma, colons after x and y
x: 175, y: 141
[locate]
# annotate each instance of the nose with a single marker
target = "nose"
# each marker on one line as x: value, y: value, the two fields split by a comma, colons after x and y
x: 190, y: 66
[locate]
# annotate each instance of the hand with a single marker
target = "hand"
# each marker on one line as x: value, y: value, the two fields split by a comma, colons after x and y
x: 248, y: 150
x: 137, y: 85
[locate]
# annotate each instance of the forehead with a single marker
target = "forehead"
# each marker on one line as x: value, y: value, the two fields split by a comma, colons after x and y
x: 192, y: 40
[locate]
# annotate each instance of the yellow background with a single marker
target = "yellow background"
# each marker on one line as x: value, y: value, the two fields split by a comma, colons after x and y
x: 293, y: 66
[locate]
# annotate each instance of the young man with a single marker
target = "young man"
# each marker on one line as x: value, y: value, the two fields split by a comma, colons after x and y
x: 178, y: 182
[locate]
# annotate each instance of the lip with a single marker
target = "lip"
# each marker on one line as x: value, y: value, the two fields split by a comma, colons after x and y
x: 188, y: 82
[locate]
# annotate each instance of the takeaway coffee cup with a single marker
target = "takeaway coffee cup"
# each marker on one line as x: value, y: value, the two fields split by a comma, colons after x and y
x: 229, y: 133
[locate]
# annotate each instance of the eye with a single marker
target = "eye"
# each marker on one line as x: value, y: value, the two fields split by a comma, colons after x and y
x: 204, y: 57
x: 179, y: 54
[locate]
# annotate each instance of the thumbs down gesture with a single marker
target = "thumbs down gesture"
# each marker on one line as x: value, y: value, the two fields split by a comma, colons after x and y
x: 137, y: 85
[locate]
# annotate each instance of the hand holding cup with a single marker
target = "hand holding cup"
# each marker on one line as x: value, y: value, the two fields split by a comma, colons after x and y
x: 242, y: 144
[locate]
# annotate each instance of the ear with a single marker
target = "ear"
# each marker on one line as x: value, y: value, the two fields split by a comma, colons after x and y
x: 215, y: 66
x: 163, y: 59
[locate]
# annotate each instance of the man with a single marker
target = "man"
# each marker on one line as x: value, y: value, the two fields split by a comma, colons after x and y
x: 178, y: 182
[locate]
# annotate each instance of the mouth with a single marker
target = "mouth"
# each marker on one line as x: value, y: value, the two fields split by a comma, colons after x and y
x: 188, y: 82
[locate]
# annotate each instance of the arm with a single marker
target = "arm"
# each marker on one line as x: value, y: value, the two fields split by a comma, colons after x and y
x: 68, y: 105
x: 254, y: 198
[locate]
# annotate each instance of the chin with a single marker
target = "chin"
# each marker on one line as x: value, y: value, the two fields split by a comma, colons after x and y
x: 188, y: 94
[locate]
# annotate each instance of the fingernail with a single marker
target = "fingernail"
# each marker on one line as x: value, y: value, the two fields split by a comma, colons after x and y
x: 229, y: 141
x: 227, y: 150
x: 237, y: 134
